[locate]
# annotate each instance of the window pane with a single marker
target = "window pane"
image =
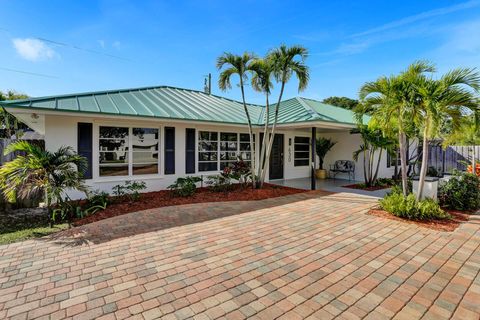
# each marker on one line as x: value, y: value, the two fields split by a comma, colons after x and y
x: 302, y: 140
x: 207, y: 166
x: 301, y: 162
x: 244, y: 146
x: 152, y: 147
x: 113, y: 145
x: 228, y: 146
x: 207, y: 135
x: 302, y: 155
x: 145, y: 139
x: 145, y: 157
x: 228, y: 136
x: 113, y: 170
x: 113, y: 157
x: 245, y: 137
x: 113, y: 132
x: 302, y: 147
x: 245, y: 155
x: 207, y: 156
x: 145, y: 169
x: 228, y: 156
x: 207, y: 146
x: 145, y: 133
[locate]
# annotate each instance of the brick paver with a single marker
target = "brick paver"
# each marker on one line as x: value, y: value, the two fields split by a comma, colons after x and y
x: 306, y: 256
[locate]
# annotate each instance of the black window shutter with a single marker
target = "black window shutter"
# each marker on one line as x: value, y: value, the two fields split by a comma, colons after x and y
x: 85, y: 145
x: 169, y: 150
x: 190, y: 150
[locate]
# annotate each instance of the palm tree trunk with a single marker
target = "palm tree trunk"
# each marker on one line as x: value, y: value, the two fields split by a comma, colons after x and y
x: 264, y: 140
x: 378, y: 165
x: 250, y: 132
x: 365, y: 167
x: 403, y: 161
x: 272, y: 133
x: 370, y: 169
x: 423, y: 169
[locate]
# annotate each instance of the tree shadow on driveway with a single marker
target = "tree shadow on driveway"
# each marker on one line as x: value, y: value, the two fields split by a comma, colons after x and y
x: 157, y: 219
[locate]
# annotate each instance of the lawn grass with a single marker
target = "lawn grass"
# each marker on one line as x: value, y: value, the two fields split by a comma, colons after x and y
x: 14, y: 229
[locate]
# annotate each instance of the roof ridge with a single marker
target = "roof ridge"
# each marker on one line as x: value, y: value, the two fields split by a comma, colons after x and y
x: 307, y: 106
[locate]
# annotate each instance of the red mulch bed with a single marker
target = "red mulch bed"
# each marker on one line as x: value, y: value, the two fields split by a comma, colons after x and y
x: 360, y: 187
x: 440, y: 225
x: 165, y: 198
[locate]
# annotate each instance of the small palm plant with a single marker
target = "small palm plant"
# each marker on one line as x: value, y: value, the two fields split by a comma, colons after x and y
x: 323, y: 145
x: 40, y: 172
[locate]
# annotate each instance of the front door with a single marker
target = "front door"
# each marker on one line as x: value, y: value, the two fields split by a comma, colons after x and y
x: 276, y: 158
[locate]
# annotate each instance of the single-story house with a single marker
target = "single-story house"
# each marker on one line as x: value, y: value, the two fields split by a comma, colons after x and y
x: 157, y: 134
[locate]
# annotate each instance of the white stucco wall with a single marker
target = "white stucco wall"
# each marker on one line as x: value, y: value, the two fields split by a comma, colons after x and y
x: 62, y: 131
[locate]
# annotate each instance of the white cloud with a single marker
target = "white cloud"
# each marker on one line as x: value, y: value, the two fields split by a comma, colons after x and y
x: 33, y: 49
x: 116, y: 44
x: 101, y: 43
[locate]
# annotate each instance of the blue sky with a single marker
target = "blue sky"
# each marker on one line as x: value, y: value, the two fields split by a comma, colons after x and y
x: 76, y: 46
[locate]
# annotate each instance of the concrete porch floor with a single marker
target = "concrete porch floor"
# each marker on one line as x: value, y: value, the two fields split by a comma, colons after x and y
x: 330, y: 185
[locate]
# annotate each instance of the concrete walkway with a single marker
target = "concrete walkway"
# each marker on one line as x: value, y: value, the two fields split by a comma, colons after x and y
x: 331, y: 185
x: 313, y: 255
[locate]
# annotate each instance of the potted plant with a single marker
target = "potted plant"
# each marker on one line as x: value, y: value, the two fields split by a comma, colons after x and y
x: 323, y: 145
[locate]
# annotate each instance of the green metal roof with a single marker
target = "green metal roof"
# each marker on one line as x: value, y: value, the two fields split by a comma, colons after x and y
x: 182, y: 104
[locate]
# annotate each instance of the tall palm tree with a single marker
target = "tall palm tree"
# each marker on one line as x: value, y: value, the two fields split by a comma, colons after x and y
x: 262, y: 70
x: 238, y: 65
x: 449, y: 97
x: 286, y: 61
x: 41, y: 172
x: 392, y: 103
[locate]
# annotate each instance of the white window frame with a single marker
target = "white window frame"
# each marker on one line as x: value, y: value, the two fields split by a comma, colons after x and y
x: 130, y: 176
x: 309, y: 151
x: 218, y: 132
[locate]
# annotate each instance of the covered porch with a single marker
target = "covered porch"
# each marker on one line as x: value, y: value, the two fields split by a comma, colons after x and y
x: 347, y: 141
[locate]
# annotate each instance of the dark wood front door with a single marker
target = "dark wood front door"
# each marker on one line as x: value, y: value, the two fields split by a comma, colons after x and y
x: 276, y: 158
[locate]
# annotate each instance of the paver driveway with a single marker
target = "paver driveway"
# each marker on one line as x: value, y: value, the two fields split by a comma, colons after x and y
x: 311, y: 255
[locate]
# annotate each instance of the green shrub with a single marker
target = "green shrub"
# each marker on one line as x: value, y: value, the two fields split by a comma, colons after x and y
x: 220, y: 183
x: 131, y: 190
x: 461, y: 192
x: 185, y: 187
x: 384, y: 182
x: 409, y: 208
x: 97, y: 200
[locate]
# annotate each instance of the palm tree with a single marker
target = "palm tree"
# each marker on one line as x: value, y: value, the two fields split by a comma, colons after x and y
x: 392, y: 103
x: 41, y: 172
x: 286, y: 61
x: 238, y: 65
x: 449, y: 97
x: 262, y: 70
